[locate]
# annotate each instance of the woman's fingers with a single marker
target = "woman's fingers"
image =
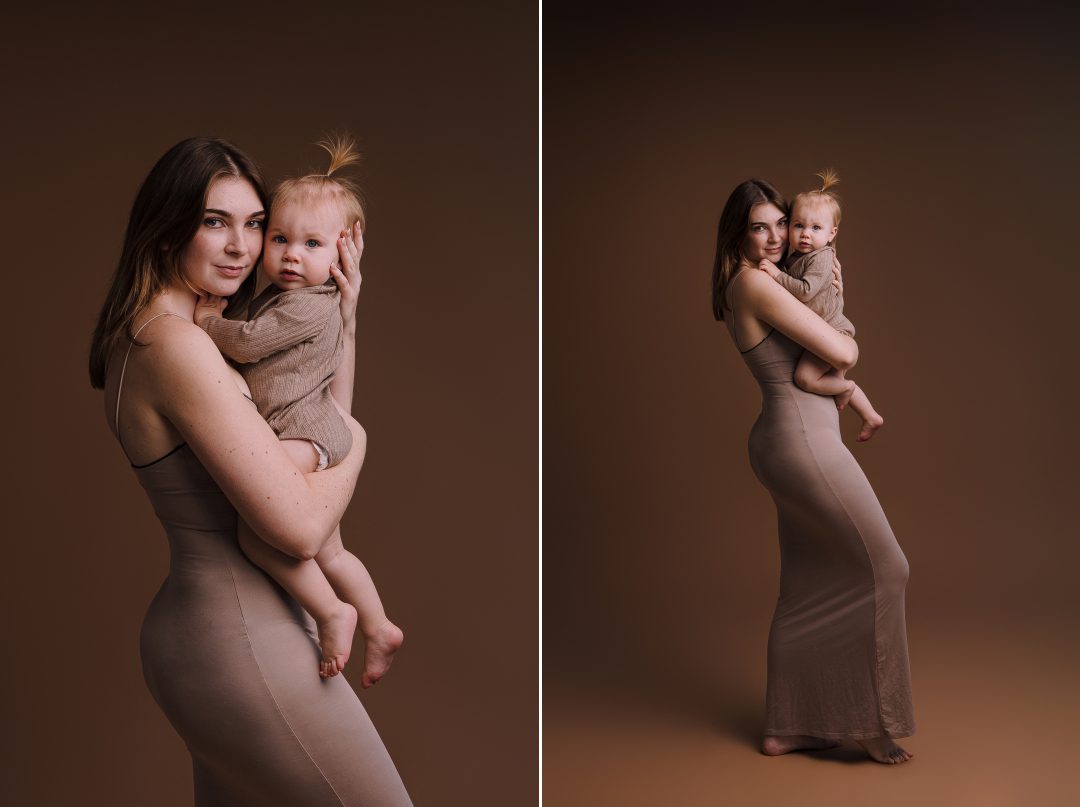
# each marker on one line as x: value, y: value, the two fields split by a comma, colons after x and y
x: 347, y: 274
x: 353, y: 251
x: 357, y: 241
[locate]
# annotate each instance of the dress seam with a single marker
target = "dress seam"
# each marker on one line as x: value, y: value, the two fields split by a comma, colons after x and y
x: 873, y: 570
x: 270, y: 692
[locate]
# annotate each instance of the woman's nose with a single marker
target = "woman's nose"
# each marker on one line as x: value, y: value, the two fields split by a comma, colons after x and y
x: 237, y: 242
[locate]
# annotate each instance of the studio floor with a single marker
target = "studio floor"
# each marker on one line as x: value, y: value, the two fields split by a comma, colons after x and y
x: 995, y: 711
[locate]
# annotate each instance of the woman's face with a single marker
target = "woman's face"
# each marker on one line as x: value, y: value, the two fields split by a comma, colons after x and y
x: 766, y: 234
x: 229, y: 240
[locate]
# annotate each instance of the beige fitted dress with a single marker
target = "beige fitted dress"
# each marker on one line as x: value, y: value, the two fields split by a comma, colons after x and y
x: 232, y: 660
x: 837, y: 650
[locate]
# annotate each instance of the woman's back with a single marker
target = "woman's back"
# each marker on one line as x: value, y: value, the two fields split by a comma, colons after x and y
x: 837, y: 647
x: 232, y: 661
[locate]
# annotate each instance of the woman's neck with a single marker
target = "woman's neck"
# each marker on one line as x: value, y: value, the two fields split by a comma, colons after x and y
x: 177, y: 300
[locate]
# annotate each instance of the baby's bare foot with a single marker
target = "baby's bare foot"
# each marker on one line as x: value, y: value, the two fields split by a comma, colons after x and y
x: 844, y: 398
x: 379, y: 649
x: 883, y: 749
x: 870, y: 427
x: 775, y: 746
x: 335, y: 637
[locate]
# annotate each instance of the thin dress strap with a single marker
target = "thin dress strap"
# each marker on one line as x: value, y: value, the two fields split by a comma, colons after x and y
x: 123, y: 368
x: 731, y: 308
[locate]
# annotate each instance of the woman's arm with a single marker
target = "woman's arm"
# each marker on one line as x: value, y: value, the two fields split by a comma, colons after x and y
x: 291, y: 511
x: 760, y: 295
x: 350, y: 248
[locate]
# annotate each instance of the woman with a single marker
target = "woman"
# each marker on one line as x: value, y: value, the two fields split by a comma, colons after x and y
x: 837, y: 655
x: 227, y: 654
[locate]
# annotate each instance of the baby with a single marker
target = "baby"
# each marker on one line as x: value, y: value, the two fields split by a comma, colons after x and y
x: 288, y: 351
x: 808, y: 274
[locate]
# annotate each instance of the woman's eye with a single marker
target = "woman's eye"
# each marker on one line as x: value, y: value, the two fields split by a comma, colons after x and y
x: 213, y: 221
x: 255, y: 224
x: 757, y: 228
x: 312, y: 243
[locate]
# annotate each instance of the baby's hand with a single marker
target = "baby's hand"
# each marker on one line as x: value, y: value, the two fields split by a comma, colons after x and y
x: 769, y: 268
x: 209, y: 305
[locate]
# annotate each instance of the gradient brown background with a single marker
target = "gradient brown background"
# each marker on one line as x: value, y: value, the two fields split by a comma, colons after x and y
x: 444, y: 101
x: 955, y: 137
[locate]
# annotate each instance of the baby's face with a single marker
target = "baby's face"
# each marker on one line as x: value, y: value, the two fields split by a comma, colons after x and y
x: 810, y: 227
x: 301, y: 243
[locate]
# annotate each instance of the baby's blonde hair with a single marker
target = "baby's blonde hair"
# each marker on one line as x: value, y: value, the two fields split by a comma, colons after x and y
x: 342, y: 191
x: 823, y: 195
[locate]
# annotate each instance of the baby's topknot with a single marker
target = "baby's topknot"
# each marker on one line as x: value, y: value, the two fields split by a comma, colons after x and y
x: 342, y: 150
x: 823, y: 195
x: 340, y: 190
x: 829, y: 177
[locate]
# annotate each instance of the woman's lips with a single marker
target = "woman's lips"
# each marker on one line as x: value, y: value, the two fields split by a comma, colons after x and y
x: 230, y: 271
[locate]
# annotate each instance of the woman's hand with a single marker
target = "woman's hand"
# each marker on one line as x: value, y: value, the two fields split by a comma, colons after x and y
x: 209, y: 305
x: 350, y: 248
x: 837, y: 278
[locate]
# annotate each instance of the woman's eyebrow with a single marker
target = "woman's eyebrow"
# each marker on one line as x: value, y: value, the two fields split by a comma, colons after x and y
x: 765, y: 223
x: 226, y: 214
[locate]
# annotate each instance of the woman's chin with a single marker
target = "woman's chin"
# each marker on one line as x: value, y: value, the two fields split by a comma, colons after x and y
x: 224, y: 288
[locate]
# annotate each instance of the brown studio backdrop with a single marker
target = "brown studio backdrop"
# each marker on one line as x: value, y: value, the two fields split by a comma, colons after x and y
x: 444, y: 102
x: 956, y: 149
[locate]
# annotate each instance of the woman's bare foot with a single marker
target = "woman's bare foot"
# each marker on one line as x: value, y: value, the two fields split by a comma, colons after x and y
x: 869, y: 427
x: 775, y: 746
x: 379, y: 649
x: 335, y: 638
x: 883, y: 749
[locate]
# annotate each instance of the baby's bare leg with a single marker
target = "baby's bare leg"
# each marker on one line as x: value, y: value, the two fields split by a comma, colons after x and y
x: 350, y: 579
x: 872, y: 421
x: 305, y: 581
x: 813, y: 374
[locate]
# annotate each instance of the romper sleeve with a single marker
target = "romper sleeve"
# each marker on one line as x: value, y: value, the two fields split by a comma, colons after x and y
x: 817, y: 276
x: 289, y: 320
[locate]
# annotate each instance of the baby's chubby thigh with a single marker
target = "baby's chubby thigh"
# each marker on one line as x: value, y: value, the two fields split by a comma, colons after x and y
x: 303, y: 454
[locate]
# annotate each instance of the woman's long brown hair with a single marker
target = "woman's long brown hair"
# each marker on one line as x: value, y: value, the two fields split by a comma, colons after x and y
x: 165, y: 216
x: 732, y: 230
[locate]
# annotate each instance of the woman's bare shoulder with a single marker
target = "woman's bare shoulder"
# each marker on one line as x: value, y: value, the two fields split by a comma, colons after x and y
x: 179, y: 350
x: 752, y: 285
x: 176, y: 340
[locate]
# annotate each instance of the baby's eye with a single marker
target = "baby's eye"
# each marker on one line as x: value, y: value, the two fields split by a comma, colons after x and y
x: 278, y: 239
x: 311, y: 243
x: 797, y: 226
x: 817, y: 226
